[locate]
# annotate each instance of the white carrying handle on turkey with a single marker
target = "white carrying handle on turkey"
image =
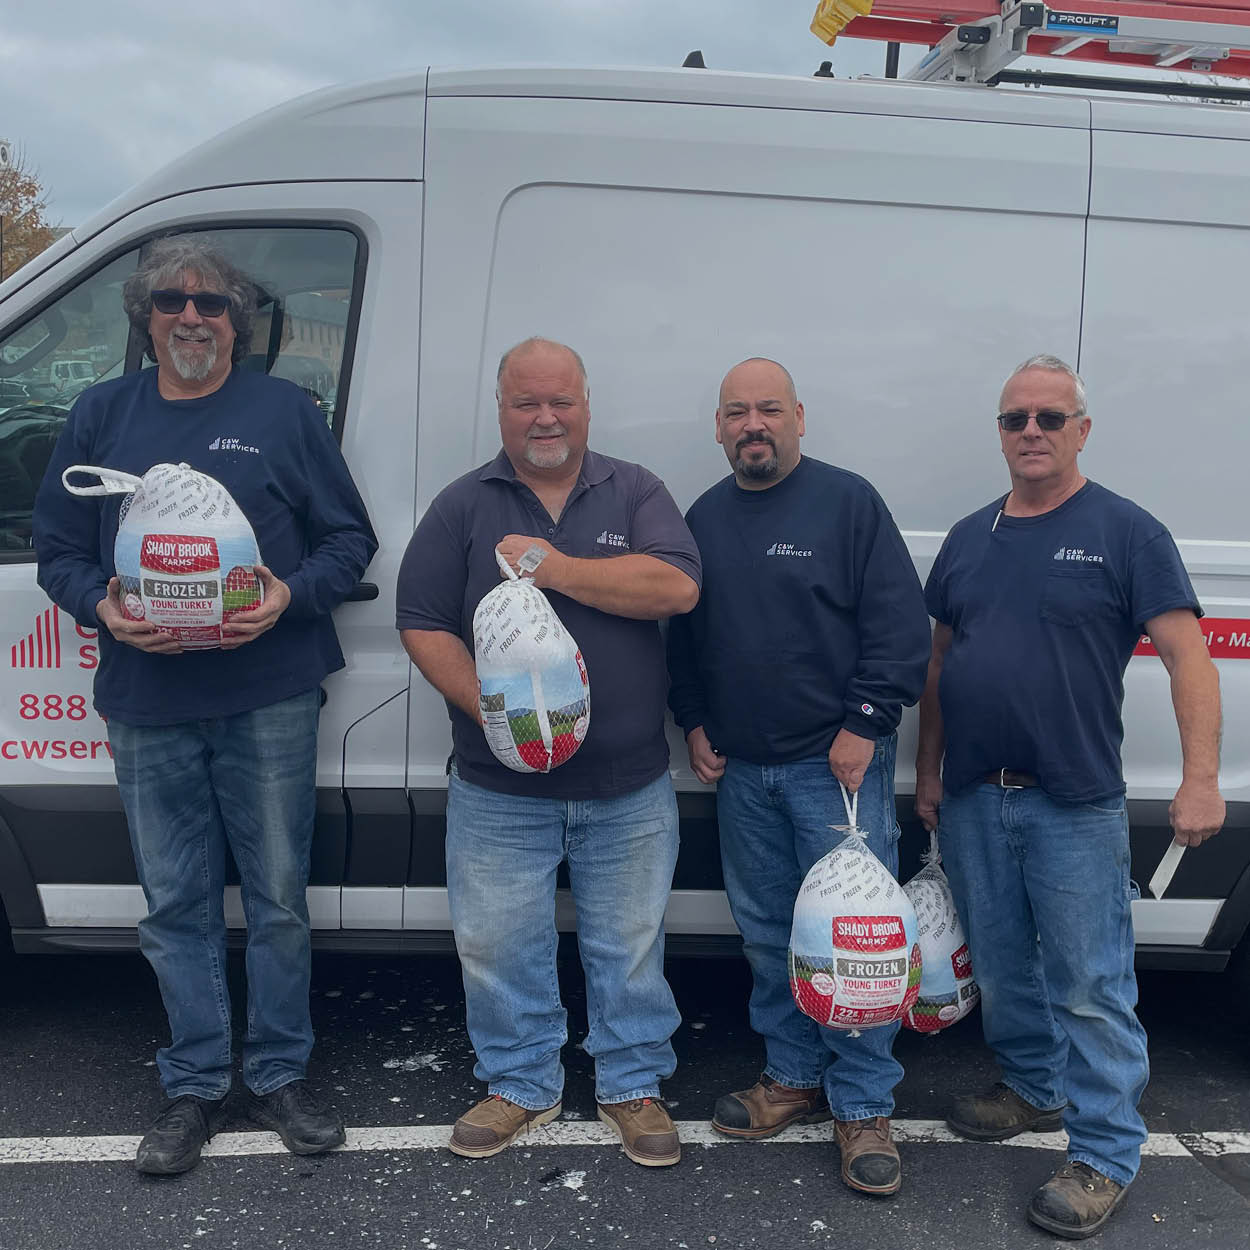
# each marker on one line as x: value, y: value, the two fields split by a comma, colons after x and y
x: 504, y: 567
x: 851, y: 803
x: 112, y: 481
x: 530, y: 559
x: 934, y: 854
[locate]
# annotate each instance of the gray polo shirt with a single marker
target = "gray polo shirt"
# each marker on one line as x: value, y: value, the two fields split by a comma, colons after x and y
x: 616, y: 508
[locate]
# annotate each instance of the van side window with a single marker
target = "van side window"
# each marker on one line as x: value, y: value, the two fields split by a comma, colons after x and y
x: 307, y: 278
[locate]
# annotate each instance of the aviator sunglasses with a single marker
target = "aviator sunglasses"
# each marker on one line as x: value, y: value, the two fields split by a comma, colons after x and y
x: 1048, y: 419
x: 207, y: 303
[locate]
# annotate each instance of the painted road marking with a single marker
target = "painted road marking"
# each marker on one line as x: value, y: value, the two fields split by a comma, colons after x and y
x: 578, y: 1133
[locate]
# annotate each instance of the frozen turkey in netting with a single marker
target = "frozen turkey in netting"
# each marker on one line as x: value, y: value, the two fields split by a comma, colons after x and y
x: 947, y: 990
x: 854, y: 956
x: 533, y: 691
x: 184, y: 553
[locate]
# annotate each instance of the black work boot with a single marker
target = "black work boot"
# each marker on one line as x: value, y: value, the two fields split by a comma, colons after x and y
x: 174, y: 1141
x: 1076, y: 1202
x: 306, y: 1125
x: 999, y: 1114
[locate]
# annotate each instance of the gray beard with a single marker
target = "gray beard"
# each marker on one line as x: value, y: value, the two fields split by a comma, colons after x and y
x: 757, y: 470
x: 546, y: 457
x: 194, y: 364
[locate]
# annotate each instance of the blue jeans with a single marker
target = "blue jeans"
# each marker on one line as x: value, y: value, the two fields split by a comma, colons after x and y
x: 774, y: 825
x: 502, y: 855
x: 247, y: 781
x: 1042, y: 890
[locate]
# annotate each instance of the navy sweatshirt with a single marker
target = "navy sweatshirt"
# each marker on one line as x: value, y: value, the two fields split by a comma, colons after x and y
x: 266, y: 442
x: 811, y: 618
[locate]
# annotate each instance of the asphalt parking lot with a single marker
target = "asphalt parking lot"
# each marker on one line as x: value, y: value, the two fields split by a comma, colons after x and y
x: 77, y: 1035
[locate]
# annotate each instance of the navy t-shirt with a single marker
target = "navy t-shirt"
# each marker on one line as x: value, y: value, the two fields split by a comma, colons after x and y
x: 1045, y: 613
x: 267, y: 443
x: 616, y: 508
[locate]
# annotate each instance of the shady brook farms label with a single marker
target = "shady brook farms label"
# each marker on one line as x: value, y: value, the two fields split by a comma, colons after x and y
x: 180, y: 586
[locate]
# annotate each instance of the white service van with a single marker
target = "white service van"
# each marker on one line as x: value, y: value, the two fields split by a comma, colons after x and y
x: 899, y: 246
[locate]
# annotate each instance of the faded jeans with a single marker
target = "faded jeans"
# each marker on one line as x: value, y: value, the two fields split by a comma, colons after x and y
x: 1042, y: 889
x: 774, y: 825
x: 190, y: 790
x: 502, y: 854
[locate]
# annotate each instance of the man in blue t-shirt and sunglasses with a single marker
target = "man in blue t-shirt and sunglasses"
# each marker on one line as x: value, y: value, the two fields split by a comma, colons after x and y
x: 1039, y: 599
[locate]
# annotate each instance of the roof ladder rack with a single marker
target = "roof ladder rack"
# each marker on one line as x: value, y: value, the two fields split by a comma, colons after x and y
x: 975, y: 41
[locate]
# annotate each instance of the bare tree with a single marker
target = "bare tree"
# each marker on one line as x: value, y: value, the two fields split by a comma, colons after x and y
x: 24, y: 227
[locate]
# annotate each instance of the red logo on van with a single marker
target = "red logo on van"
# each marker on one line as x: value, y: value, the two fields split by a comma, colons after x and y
x: 41, y: 648
x: 1227, y: 638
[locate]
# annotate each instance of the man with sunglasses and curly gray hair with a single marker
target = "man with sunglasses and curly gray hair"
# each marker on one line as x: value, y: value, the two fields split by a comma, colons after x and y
x: 1039, y: 600
x: 215, y: 749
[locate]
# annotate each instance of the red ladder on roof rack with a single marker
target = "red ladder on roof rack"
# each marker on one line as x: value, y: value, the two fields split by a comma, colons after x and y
x: 972, y: 40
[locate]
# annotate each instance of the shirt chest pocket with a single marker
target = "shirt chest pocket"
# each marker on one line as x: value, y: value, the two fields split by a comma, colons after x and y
x: 1076, y: 596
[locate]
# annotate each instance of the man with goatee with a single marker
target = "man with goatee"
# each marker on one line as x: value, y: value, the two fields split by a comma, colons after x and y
x: 788, y: 678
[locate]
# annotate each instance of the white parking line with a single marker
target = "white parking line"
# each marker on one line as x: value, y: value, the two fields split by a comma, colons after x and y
x: 576, y: 1133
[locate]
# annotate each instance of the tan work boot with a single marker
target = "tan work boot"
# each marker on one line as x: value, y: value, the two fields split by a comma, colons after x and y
x: 999, y: 1114
x: 1076, y: 1202
x: 869, y: 1157
x: 487, y: 1128
x: 768, y: 1107
x: 645, y: 1129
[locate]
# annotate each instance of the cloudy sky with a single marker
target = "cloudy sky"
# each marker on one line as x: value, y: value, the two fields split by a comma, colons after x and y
x: 99, y: 93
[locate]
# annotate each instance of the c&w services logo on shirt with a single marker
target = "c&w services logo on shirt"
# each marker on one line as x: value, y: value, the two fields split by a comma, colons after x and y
x: 607, y: 539
x: 787, y: 549
x: 1078, y: 554
x: 232, y: 444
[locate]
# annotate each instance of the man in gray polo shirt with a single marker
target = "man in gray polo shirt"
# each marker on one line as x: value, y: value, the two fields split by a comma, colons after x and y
x: 617, y: 558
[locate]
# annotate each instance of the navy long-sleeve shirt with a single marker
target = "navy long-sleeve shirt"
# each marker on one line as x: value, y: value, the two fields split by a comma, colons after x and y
x: 811, y: 618
x: 268, y: 445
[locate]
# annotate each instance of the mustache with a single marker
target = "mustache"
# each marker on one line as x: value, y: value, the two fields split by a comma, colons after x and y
x: 747, y: 439
x: 558, y: 432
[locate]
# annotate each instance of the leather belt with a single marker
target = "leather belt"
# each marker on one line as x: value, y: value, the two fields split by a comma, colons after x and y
x: 1009, y: 779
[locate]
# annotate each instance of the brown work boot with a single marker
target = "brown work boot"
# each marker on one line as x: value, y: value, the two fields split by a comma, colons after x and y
x: 1000, y: 1114
x: 645, y: 1130
x: 768, y: 1107
x: 869, y: 1158
x: 487, y: 1128
x: 1076, y: 1202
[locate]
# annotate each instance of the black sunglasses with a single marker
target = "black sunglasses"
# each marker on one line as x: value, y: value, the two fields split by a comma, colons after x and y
x: 207, y: 303
x: 1047, y: 419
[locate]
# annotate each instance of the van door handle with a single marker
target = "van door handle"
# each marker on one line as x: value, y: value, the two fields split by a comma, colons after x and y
x: 362, y: 592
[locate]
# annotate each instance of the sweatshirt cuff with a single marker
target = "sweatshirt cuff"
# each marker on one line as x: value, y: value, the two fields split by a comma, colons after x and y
x: 865, y: 724
x: 300, y: 596
x: 86, y: 615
